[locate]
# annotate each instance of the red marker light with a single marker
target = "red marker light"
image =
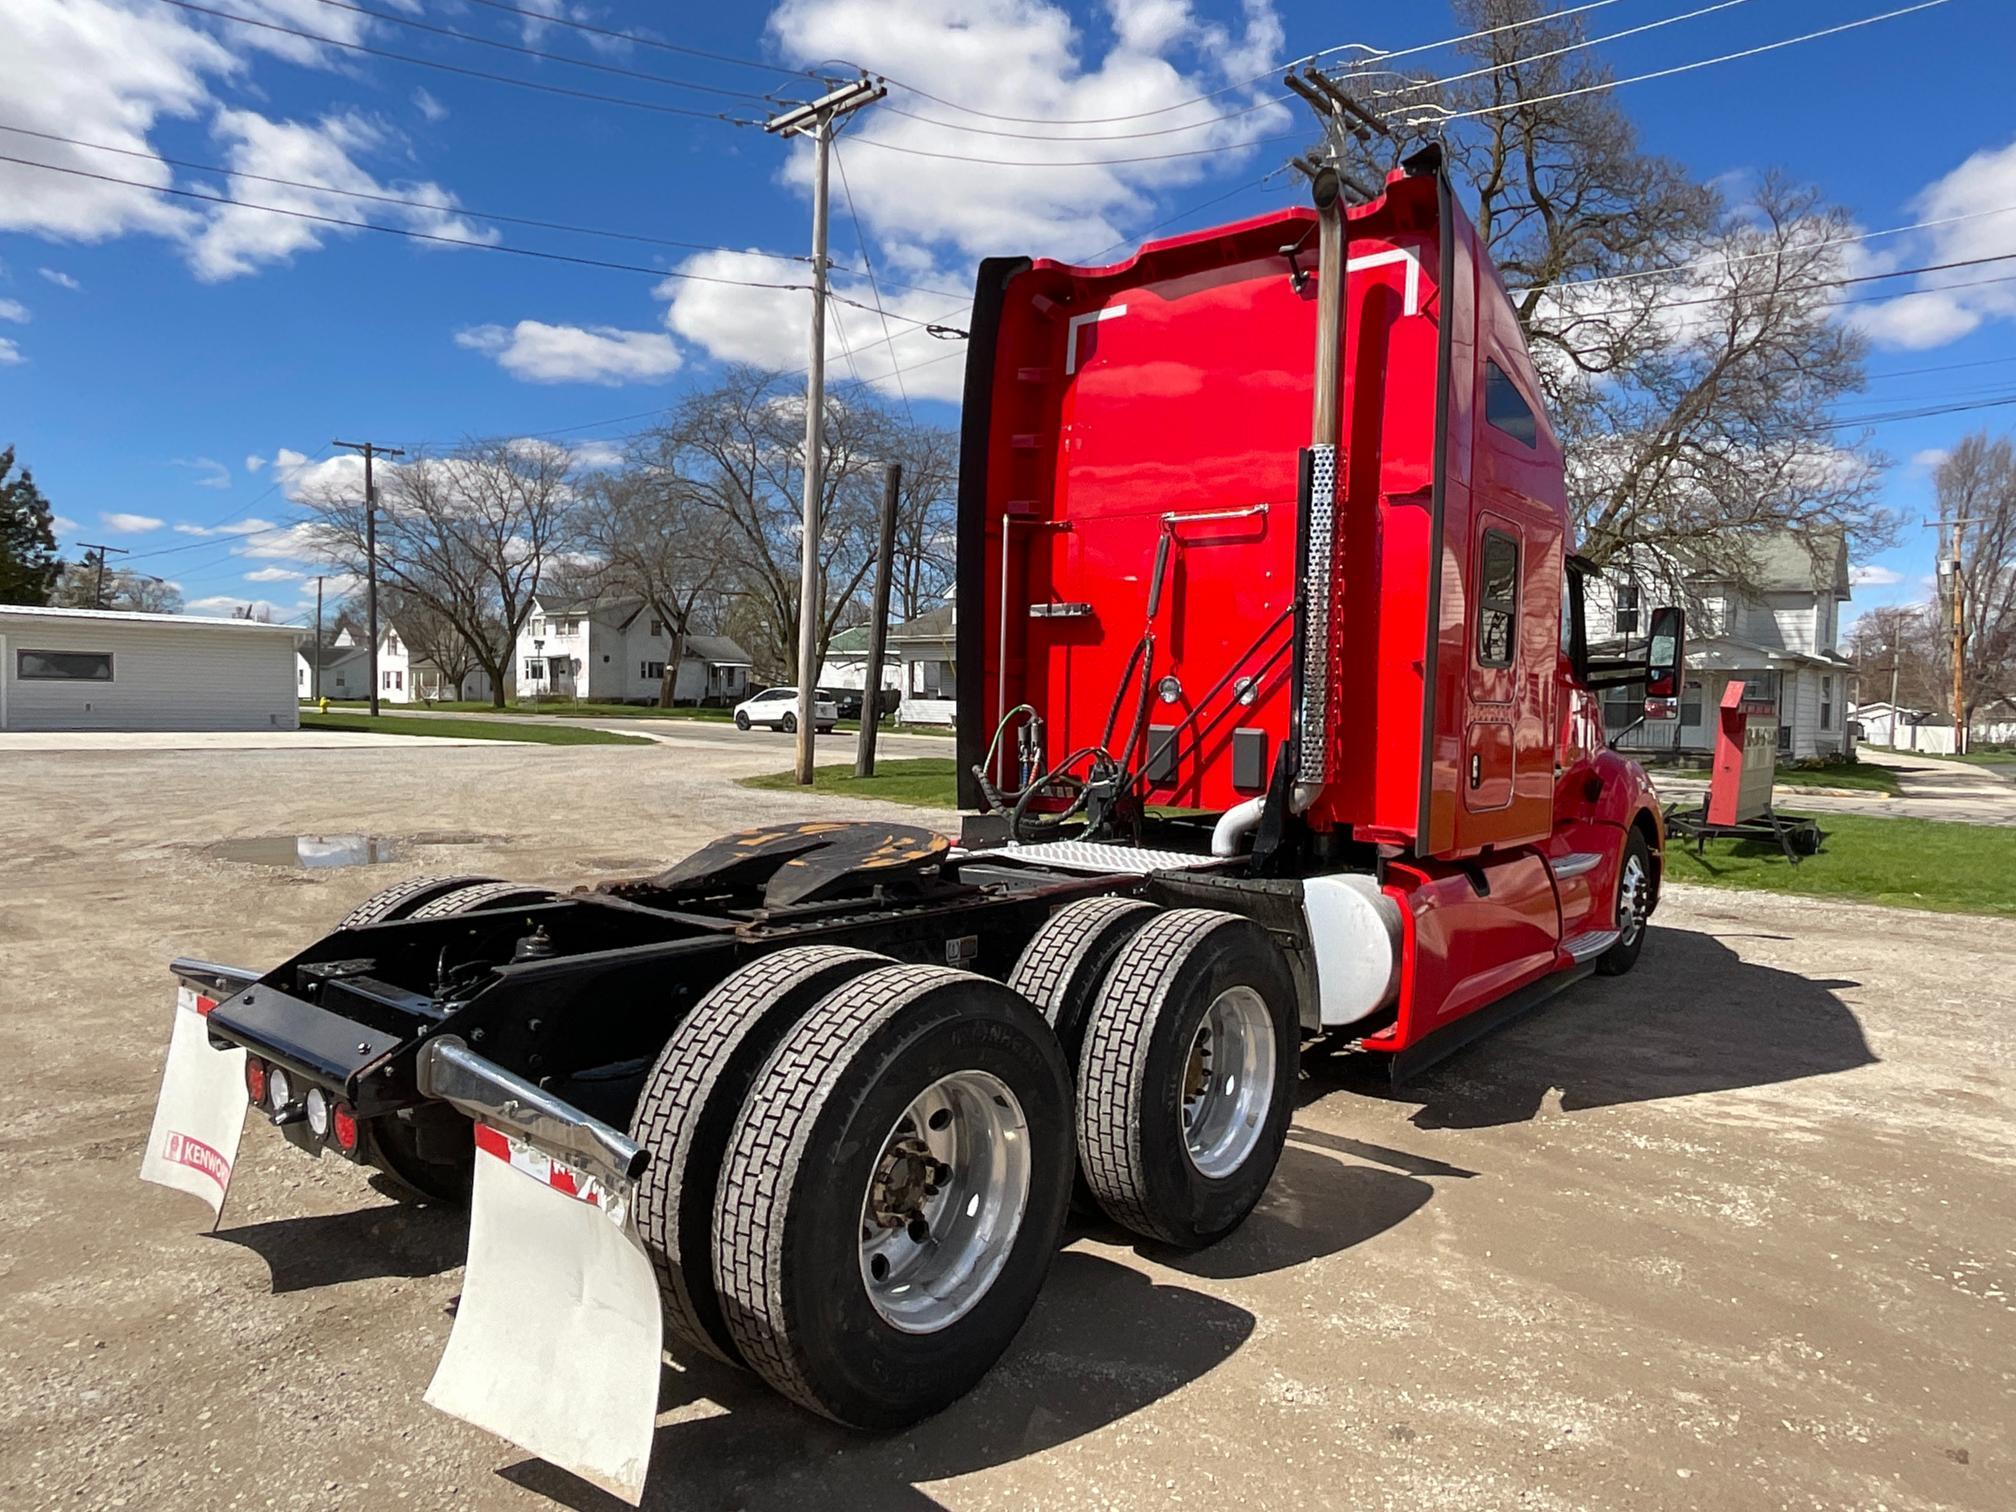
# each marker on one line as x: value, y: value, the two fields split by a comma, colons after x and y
x: 343, y: 1130
x: 205, y: 1005
x: 255, y: 1078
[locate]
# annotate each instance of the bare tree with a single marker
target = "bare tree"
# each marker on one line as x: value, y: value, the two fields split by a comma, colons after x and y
x: 1688, y: 345
x: 925, y: 527
x: 77, y: 587
x: 648, y: 532
x: 1904, y: 637
x: 1977, y: 509
x: 432, y: 636
x: 466, y: 535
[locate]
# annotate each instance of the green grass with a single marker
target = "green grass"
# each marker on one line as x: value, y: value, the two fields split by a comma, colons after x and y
x: 558, y: 707
x: 926, y: 781
x: 1862, y: 775
x: 467, y: 729
x: 1907, y: 863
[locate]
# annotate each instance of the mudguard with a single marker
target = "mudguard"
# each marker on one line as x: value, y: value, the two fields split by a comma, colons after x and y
x: 200, y: 1116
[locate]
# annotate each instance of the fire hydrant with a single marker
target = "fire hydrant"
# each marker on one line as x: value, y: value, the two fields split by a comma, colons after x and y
x: 322, y: 704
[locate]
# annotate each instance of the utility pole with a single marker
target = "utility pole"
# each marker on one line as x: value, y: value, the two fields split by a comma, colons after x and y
x: 1952, y: 576
x: 371, y: 449
x: 98, y: 593
x: 317, y: 663
x: 878, y: 626
x: 815, y: 120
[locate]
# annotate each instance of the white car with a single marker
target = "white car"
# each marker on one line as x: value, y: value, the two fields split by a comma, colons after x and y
x: 778, y: 708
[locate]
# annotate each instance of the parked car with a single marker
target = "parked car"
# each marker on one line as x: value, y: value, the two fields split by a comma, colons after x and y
x: 778, y: 708
x: 849, y: 700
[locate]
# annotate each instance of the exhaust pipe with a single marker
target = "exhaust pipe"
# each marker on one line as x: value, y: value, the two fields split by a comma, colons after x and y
x: 1312, y: 768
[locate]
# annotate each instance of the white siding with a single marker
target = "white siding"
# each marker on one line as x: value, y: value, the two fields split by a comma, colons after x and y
x: 164, y: 677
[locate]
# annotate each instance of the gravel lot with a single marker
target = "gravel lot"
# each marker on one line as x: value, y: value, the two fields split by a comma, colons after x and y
x: 1735, y: 1231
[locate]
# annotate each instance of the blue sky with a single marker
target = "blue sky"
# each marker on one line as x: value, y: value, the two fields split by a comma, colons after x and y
x: 173, y: 370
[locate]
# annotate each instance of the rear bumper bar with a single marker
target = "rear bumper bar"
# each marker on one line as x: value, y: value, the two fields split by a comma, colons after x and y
x: 449, y: 1070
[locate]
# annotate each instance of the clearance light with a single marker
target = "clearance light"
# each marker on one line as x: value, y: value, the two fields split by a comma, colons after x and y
x: 255, y: 1078
x: 318, y: 1112
x: 279, y: 1090
x: 343, y: 1129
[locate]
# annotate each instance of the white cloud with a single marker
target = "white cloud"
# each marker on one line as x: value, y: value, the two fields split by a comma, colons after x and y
x: 1872, y: 576
x: 211, y: 472
x: 1930, y: 458
x: 429, y: 107
x: 61, y: 280
x: 14, y: 310
x: 598, y: 454
x: 542, y: 353
x: 283, y: 543
x: 10, y: 354
x: 253, y: 462
x: 1937, y: 310
x: 237, y: 240
x: 128, y: 524
x: 233, y: 528
x: 63, y: 524
x: 274, y: 575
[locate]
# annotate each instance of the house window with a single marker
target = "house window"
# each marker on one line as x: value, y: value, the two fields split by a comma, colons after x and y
x: 1827, y: 701
x: 650, y: 670
x: 1497, y: 599
x: 658, y: 629
x: 63, y: 666
x: 566, y: 626
x: 1690, y: 705
x: 1627, y: 608
x: 1505, y: 408
x: 538, y: 626
x: 535, y: 670
x: 391, y: 644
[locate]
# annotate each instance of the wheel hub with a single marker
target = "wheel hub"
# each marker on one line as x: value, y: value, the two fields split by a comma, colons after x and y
x: 1228, y: 1082
x: 944, y: 1202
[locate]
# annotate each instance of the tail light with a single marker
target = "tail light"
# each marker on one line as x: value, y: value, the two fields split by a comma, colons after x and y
x: 343, y: 1131
x: 255, y: 1078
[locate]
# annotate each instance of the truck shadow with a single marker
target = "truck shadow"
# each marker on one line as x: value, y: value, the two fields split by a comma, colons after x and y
x: 1691, y: 1018
x: 360, y: 1245
x: 1104, y: 1341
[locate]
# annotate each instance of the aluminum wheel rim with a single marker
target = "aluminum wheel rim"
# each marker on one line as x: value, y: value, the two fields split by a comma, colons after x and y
x: 944, y: 1202
x: 1228, y: 1082
x: 1631, y: 893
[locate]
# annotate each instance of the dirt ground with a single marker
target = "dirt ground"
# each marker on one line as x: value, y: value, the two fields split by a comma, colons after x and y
x: 1735, y: 1231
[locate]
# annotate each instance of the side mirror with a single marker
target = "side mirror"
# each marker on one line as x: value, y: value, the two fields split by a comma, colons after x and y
x: 1665, y: 652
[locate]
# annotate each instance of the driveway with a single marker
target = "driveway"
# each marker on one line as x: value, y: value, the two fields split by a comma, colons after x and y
x: 1928, y: 789
x: 1733, y: 1231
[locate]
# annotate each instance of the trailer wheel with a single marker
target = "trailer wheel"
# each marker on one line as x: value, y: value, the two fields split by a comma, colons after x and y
x: 894, y: 1193
x: 1634, y: 906
x: 401, y: 898
x: 687, y: 1114
x: 1186, y: 1080
x: 481, y: 895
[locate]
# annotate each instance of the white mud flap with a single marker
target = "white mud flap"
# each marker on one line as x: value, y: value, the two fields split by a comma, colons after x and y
x: 556, y: 1344
x: 201, y: 1112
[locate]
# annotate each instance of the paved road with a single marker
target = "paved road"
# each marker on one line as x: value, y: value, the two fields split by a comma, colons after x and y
x: 1733, y: 1231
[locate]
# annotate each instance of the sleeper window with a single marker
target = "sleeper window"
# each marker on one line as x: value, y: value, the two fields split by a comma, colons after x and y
x: 1497, y: 599
x: 1505, y: 408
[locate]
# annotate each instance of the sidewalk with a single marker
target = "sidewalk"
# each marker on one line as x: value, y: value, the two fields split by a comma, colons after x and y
x: 1928, y: 788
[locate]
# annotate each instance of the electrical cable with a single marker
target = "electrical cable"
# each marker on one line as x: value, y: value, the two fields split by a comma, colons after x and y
x: 861, y: 240
x: 640, y: 40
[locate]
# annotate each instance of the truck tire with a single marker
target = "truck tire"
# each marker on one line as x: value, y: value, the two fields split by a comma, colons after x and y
x: 401, y: 898
x: 688, y: 1111
x: 1186, y: 1079
x: 1634, y: 906
x: 481, y: 895
x: 879, y: 1236
x: 1060, y: 970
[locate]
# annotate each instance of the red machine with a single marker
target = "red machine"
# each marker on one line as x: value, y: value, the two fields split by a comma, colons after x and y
x: 1274, y: 695
x: 1357, y: 618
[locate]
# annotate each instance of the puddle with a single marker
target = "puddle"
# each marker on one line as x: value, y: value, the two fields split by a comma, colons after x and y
x: 314, y: 852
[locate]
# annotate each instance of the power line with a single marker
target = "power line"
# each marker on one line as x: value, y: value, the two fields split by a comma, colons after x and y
x: 441, y: 208
x: 433, y: 237
x: 533, y: 52
x: 455, y: 68
x: 642, y: 41
x: 1446, y: 116
x: 861, y: 240
x: 1819, y: 283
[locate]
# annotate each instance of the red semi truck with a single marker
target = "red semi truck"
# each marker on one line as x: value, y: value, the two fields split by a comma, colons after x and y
x: 1277, y: 719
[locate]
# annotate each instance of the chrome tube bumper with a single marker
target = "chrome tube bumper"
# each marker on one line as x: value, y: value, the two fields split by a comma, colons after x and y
x: 449, y: 1070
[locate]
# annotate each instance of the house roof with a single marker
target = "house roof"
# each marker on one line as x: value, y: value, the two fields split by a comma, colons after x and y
x: 331, y: 656
x: 721, y: 650
x: 1784, y: 561
x: 852, y: 642
x: 134, y: 616
x: 936, y: 625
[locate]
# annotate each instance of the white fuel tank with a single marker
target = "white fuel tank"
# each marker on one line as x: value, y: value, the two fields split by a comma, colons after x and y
x: 1354, y: 934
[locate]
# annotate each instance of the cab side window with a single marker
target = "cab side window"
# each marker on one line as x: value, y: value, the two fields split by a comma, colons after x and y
x: 1505, y: 408
x: 1497, y: 599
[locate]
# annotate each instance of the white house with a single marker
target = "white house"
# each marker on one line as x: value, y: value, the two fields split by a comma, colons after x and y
x: 846, y: 664
x: 927, y: 651
x: 346, y: 669
x: 614, y: 650
x: 404, y: 676
x: 1778, y: 632
x: 1931, y: 731
x: 113, y: 669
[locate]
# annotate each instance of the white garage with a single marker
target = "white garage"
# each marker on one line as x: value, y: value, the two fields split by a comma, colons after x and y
x: 105, y: 669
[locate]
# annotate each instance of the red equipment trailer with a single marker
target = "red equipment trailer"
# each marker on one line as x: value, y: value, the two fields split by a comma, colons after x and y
x: 1277, y: 712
